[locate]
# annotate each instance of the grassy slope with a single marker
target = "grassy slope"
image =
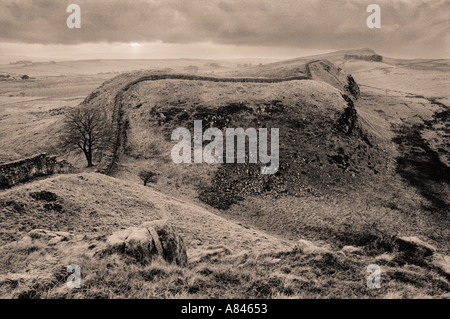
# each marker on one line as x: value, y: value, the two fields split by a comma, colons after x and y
x: 31, y: 112
x: 113, y: 204
x: 226, y: 259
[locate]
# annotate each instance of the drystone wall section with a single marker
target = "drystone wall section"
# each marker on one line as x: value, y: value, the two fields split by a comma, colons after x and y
x: 24, y: 170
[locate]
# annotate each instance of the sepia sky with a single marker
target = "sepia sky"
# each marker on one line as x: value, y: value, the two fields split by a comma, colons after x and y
x: 221, y: 28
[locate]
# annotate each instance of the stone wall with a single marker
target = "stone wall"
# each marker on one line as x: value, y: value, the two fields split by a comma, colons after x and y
x: 120, y: 123
x: 321, y: 70
x: 24, y: 170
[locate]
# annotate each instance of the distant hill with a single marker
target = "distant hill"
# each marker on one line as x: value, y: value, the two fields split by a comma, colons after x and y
x: 37, y: 67
x: 115, y: 66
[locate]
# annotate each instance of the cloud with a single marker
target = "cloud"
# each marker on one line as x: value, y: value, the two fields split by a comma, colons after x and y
x: 319, y: 24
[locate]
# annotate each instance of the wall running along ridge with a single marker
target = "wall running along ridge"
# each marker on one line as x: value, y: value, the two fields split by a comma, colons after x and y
x: 113, y: 151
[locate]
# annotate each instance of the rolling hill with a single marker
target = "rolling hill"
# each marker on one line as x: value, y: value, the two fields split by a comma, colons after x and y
x: 363, y: 178
x: 337, y: 179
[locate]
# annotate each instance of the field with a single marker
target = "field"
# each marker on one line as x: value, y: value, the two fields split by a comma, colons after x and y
x: 363, y: 178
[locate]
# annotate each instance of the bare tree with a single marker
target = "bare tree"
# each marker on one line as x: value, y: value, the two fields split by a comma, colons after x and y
x: 86, y: 129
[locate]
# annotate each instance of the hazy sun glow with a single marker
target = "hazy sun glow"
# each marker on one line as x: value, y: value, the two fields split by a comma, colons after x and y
x: 135, y: 44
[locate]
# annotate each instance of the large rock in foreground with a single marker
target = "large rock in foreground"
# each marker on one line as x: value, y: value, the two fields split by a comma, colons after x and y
x: 147, y: 242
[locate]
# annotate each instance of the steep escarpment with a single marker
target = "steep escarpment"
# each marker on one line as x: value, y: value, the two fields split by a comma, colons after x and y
x: 326, y: 71
x: 114, y: 106
x: 111, y: 95
x: 320, y: 70
x: 169, y: 101
x: 336, y: 177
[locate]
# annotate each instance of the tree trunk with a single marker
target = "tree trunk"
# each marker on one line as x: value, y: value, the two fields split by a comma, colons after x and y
x: 88, y: 158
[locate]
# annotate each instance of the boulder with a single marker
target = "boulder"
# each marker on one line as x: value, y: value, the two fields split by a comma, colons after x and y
x: 148, y: 241
x: 52, y: 238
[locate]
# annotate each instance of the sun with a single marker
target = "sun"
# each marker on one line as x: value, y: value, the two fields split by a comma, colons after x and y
x: 135, y: 44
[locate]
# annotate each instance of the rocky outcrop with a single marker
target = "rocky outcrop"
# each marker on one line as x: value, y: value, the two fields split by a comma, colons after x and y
x: 349, y: 123
x: 24, y: 170
x: 352, y: 87
x: 350, y: 250
x: 147, y: 242
x: 348, y: 120
x: 43, y: 235
x: 325, y: 71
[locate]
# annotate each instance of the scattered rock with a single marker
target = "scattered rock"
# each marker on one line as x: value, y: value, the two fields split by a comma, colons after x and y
x: 51, y: 237
x: 309, y: 247
x: 442, y: 262
x: 26, y: 241
x: 44, y: 196
x: 151, y: 239
x: 44, y: 236
x: 210, y: 253
x: 416, y: 246
x: 351, y: 250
